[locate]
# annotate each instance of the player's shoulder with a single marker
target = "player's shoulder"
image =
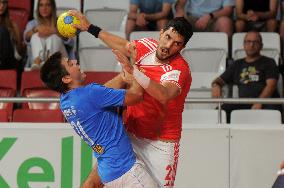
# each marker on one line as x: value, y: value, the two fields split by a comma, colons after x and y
x: 148, y: 43
x: 144, y: 47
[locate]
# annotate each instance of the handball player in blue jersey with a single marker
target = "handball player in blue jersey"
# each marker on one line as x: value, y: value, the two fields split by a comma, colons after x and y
x: 92, y: 112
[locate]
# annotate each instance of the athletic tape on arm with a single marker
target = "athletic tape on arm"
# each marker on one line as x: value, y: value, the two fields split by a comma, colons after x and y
x: 141, y: 78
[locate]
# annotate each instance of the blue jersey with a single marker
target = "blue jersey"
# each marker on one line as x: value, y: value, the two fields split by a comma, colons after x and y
x: 92, y: 112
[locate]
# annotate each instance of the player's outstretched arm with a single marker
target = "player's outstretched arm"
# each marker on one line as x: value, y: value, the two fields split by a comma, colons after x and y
x: 111, y: 40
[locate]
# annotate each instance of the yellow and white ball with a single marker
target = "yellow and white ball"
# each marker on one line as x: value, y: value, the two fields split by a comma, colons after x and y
x: 64, y: 27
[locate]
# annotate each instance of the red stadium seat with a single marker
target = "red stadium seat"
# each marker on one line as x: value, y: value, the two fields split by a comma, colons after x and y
x: 27, y: 115
x: 8, y: 79
x: 40, y: 93
x: 32, y: 86
x: 20, y: 12
x: 31, y: 80
x: 99, y: 77
x: 7, y: 106
x: 3, y: 115
x: 8, y: 88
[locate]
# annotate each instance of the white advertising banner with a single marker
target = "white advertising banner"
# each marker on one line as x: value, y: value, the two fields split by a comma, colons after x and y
x: 51, y: 155
x: 40, y: 155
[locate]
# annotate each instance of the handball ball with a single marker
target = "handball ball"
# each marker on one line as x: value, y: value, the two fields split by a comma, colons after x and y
x: 64, y: 27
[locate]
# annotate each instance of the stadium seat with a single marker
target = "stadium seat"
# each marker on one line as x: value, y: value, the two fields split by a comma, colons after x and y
x: 63, y: 5
x: 99, y: 77
x: 7, y: 106
x: 8, y: 79
x: 201, y: 88
x: 202, y: 116
x: 95, y: 55
x: 32, y: 86
x: 108, y: 14
x: 135, y: 35
x: 20, y: 12
x: 207, y: 52
x: 31, y: 80
x: 27, y: 115
x: 34, y: 93
x: 4, y: 115
x: 8, y: 88
x: 257, y: 117
x: 200, y: 93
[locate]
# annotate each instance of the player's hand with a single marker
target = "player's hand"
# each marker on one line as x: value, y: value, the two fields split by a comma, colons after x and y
x: 132, y: 52
x: 84, y: 22
x: 127, y: 78
x: 125, y: 63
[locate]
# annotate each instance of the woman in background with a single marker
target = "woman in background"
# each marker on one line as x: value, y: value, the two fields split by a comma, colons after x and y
x: 41, y: 34
x: 11, y: 47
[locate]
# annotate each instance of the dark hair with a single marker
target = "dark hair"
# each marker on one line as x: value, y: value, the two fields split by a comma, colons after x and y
x: 52, y: 72
x: 7, y: 22
x: 182, y: 26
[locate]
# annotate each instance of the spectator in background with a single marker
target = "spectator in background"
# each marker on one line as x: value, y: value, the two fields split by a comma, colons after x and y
x: 207, y: 15
x: 11, y: 46
x: 279, y: 182
x: 41, y: 34
x: 255, y: 75
x: 148, y: 15
x: 256, y: 15
x: 282, y: 22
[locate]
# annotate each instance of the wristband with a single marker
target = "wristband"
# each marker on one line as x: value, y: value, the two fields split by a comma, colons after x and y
x: 141, y: 78
x: 94, y: 30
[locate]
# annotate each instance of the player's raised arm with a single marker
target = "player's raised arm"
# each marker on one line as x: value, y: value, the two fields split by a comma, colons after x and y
x: 111, y: 40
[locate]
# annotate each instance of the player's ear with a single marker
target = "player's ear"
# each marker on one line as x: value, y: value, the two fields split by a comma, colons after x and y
x: 66, y: 79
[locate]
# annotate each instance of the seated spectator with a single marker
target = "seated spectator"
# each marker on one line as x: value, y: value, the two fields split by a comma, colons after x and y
x: 11, y: 46
x: 148, y: 15
x: 257, y: 15
x: 282, y: 21
x: 255, y: 76
x: 207, y: 15
x: 279, y: 182
x: 41, y: 34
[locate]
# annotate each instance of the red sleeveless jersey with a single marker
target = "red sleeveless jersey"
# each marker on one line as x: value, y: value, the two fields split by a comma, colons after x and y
x: 149, y: 118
